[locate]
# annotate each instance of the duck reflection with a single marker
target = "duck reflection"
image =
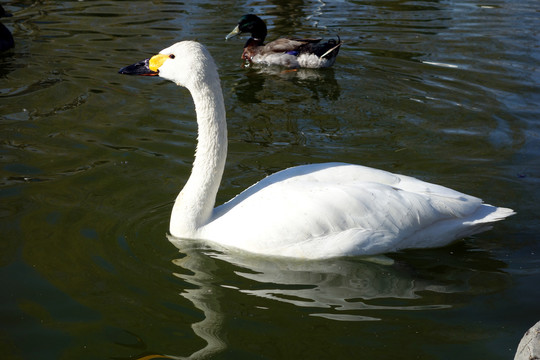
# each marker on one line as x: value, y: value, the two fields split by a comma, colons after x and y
x: 255, y: 87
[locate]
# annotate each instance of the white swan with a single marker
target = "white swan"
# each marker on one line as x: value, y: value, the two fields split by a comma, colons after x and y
x: 310, y: 211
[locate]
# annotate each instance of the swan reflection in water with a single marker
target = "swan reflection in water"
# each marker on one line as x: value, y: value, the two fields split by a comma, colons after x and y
x: 342, y: 289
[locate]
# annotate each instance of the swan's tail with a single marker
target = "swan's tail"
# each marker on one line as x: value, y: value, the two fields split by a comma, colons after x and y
x: 488, y: 214
x: 484, y: 217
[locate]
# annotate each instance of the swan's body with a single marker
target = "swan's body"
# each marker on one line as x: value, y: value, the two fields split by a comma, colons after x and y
x: 292, y: 53
x: 309, y: 211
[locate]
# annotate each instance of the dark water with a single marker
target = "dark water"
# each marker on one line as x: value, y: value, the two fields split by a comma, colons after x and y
x: 447, y: 91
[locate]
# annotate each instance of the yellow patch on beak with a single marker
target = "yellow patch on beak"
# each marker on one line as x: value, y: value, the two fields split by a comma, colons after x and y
x: 156, y: 61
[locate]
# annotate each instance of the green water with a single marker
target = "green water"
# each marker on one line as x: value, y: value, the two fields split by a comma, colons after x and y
x: 91, y: 161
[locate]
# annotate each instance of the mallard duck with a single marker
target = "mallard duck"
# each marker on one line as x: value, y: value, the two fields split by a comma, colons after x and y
x: 292, y: 53
x: 310, y: 211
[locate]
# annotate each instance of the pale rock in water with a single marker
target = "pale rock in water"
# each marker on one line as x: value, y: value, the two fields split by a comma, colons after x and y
x: 529, y: 346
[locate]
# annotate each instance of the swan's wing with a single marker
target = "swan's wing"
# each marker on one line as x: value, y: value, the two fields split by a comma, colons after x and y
x: 337, y: 209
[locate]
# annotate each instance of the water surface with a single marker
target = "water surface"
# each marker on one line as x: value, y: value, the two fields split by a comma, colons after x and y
x: 446, y: 91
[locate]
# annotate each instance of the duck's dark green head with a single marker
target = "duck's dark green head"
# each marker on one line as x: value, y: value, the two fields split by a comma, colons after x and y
x: 251, y: 24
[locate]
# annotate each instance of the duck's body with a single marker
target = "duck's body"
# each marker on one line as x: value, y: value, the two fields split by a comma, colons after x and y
x: 292, y: 53
x: 310, y: 211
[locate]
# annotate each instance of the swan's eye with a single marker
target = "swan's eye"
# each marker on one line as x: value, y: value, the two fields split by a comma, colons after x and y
x: 171, y: 56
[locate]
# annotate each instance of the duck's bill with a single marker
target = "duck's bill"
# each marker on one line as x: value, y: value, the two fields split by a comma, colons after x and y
x: 140, y: 68
x: 233, y: 33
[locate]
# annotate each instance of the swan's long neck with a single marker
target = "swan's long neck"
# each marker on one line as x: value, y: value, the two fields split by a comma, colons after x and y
x: 193, y: 206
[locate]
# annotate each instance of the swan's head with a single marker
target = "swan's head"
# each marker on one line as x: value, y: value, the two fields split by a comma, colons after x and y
x: 185, y: 63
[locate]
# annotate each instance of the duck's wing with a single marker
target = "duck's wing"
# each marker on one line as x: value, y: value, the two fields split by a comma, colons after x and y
x: 308, y: 40
x: 328, y: 49
x: 331, y: 49
x: 290, y: 46
x: 296, y: 47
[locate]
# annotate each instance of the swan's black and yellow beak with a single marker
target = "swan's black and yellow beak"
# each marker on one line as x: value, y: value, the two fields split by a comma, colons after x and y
x: 148, y: 67
x: 233, y: 33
